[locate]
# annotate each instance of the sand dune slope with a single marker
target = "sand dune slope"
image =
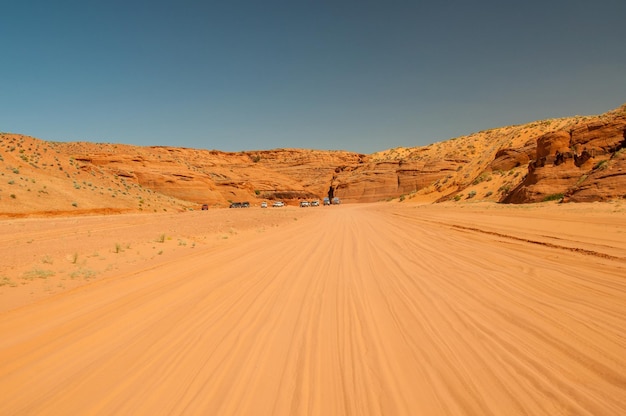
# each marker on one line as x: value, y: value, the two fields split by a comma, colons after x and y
x: 356, y: 310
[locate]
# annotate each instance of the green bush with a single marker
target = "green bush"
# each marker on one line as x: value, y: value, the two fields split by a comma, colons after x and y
x: 553, y: 197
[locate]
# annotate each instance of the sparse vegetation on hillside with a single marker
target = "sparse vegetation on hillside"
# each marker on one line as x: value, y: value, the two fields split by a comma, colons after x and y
x: 91, y: 177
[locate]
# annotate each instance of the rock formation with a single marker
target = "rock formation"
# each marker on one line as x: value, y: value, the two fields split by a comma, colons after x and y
x: 573, y: 158
x: 582, y: 163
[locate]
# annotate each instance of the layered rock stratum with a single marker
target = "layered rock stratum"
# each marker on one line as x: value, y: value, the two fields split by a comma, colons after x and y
x: 580, y: 158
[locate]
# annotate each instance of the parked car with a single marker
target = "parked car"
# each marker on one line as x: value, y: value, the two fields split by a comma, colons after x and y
x: 205, y: 207
x: 336, y: 201
x: 235, y: 205
x: 315, y: 203
x: 326, y: 201
x: 278, y: 204
x: 245, y: 204
x: 263, y: 204
x: 304, y: 204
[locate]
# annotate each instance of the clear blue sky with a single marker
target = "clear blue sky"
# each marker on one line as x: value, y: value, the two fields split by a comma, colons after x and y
x: 355, y: 75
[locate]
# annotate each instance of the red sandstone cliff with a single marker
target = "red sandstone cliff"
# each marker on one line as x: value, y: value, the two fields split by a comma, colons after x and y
x: 574, y: 158
x: 583, y: 162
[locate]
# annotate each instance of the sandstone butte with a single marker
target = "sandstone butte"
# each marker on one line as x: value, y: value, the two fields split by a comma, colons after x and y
x: 579, y: 158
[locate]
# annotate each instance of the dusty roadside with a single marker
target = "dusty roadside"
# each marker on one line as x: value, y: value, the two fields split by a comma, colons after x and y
x: 40, y: 257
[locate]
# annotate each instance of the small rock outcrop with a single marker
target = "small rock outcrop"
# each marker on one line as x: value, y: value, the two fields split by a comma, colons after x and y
x: 509, y: 158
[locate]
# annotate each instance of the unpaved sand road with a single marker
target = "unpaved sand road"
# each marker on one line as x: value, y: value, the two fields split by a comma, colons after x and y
x: 355, y: 310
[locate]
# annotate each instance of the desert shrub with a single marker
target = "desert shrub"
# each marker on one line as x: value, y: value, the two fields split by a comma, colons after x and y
x: 482, y: 178
x: 471, y: 194
x: 5, y: 281
x: 553, y: 197
x: 37, y: 274
x: 84, y: 273
x: 601, y: 165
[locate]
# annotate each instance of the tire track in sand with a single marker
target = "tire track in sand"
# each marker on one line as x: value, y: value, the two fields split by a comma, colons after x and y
x: 352, y: 311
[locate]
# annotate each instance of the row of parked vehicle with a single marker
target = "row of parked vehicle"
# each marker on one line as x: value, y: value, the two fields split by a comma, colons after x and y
x: 275, y: 204
x: 327, y: 201
x: 240, y: 205
x: 303, y: 204
x: 335, y: 201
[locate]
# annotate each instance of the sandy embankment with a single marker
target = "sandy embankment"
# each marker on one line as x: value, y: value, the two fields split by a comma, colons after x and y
x: 365, y: 309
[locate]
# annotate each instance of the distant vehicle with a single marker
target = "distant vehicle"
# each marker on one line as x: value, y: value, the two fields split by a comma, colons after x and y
x: 315, y: 203
x: 326, y: 201
x: 336, y: 201
x: 245, y: 204
x: 235, y: 205
x: 205, y: 207
x: 263, y: 204
x: 304, y: 204
x: 278, y: 204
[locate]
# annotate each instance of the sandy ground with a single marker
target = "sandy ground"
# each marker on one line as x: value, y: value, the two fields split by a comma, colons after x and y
x: 381, y: 309
x: 47, y: 256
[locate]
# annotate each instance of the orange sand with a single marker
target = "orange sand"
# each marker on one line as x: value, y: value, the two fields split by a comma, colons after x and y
x: 381, y: 309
